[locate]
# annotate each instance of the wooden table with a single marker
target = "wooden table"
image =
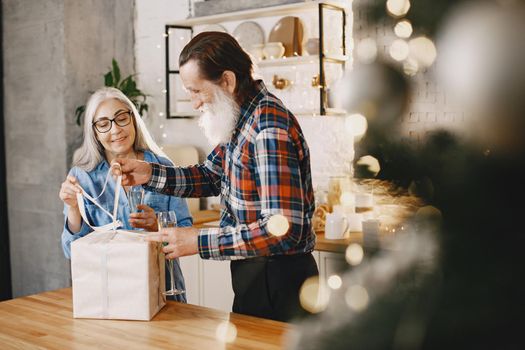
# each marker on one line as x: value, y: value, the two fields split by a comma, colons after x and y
x: 45, y: 321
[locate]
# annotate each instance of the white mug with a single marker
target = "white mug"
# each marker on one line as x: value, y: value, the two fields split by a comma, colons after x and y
x: 355, y: 222
x: 335, y: 226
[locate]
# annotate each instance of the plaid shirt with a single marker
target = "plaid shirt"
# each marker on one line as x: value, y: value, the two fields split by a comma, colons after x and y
x: 264, y: 170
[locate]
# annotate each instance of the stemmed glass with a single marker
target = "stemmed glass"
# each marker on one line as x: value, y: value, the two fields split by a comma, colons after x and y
x: 135, y: 197
x: 168, y: 219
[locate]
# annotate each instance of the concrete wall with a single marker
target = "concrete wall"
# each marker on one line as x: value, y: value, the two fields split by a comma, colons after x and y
x: 55, y: 52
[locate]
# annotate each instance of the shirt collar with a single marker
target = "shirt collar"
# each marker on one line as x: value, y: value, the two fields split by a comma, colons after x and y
x: 248, y: 107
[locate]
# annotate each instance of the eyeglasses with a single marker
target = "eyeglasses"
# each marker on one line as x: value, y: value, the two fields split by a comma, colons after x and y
x: 105, y: 124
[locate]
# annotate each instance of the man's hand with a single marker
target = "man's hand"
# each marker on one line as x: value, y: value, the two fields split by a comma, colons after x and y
x: 182, y: 241
x: 134, y: 172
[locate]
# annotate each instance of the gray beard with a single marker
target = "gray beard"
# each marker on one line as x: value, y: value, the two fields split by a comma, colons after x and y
x: 219, y: 117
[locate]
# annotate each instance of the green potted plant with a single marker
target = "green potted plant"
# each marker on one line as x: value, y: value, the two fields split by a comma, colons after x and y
x: 128, y: 86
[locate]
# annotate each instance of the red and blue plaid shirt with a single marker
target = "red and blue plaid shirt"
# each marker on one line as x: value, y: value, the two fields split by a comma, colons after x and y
x: 264, y: 170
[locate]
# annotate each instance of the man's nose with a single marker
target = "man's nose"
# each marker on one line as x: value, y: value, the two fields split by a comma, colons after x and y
x: 196, y: 103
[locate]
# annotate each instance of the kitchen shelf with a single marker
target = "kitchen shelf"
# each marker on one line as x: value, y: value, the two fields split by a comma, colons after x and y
x: 273, y: 11
x: 279, y: 10
x: 300, y: 60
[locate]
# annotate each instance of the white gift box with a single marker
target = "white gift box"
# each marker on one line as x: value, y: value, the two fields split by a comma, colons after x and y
x: 117, y: 275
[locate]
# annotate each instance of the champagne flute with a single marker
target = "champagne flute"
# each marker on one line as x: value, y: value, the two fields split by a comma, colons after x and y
x: 168, y: 219
x: 135, y: 197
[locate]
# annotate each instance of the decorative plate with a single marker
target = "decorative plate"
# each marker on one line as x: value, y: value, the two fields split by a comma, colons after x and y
x: 249, y: 33
x: 290, y: 32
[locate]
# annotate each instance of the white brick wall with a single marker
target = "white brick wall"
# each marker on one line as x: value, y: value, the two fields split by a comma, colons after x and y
x: 429, y: 108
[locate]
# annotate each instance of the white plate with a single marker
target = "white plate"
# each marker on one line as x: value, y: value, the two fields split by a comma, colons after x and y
x: 249, y: 33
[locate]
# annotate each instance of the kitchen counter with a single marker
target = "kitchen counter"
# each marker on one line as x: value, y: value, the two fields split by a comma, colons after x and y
x: 46, y: 320
x: 394, y: 206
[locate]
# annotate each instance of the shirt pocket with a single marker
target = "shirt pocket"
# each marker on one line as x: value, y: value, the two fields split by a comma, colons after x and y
x: 157, y: 202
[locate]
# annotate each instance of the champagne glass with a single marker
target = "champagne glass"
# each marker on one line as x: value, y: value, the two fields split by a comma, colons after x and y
x: 135, y: 197
x: 168, y: 219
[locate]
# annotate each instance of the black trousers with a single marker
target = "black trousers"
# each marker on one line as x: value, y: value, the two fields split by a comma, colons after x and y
x: 269, y: 287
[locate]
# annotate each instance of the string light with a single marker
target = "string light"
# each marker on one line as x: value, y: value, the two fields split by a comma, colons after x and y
x: 354, y: 254
x: 314, y: 296
x: 423, y: 50
x: 410, y: 67
x: 371, y: 163
x: 403, y: 29
x: 356, y: 298
x: 161, y: 114
x: 398, y: 8
x: 335, y: 282
x: 356, y: 124
x: 399, y: 50
x: 278, y: 225
x: 158, y: 46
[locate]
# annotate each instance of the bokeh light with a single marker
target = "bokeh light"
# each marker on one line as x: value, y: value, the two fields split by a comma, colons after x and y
x: 226, y: 332
x: 397, y: 8
x: 335, y: 282
x: 356, y: 124
x: 354, y: 254
x: 367, y: 50
x: 399, y: 50
x: 278, y: 225
x: 403, y: 29
x: 314, y: 295
x: 423, y: 50
x: 410, y: 67
x: 356, y: 298
x: 371, y: 163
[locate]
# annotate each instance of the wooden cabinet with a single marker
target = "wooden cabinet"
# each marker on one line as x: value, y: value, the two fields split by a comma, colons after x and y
x: 208, y: 282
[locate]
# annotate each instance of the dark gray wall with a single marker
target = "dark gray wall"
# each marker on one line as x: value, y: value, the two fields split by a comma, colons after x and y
x: 55, y: 52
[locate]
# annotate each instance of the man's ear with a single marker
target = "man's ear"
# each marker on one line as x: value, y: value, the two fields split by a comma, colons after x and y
x: 229, y: 81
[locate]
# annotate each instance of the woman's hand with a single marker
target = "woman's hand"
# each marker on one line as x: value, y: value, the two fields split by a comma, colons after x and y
x: 146, y: 219
x: 68, y: 192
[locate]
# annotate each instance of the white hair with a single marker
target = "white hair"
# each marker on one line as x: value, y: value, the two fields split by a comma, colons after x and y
x: 91, y: 153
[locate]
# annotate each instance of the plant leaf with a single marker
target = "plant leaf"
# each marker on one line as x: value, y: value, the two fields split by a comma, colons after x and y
x: 116, y: 72
x: 78, y: 114
x: 108, y: 79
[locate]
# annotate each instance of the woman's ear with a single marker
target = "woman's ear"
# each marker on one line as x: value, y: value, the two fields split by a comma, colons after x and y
x: 229, y: 81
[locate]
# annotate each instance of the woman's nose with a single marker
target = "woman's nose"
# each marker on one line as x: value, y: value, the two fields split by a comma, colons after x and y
x: 115, y: 129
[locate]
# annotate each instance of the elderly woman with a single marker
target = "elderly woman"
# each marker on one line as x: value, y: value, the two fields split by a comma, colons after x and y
x: 113, y: 128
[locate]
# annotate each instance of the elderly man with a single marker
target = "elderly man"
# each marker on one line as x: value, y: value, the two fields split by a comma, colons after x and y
x: 260, y: 168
